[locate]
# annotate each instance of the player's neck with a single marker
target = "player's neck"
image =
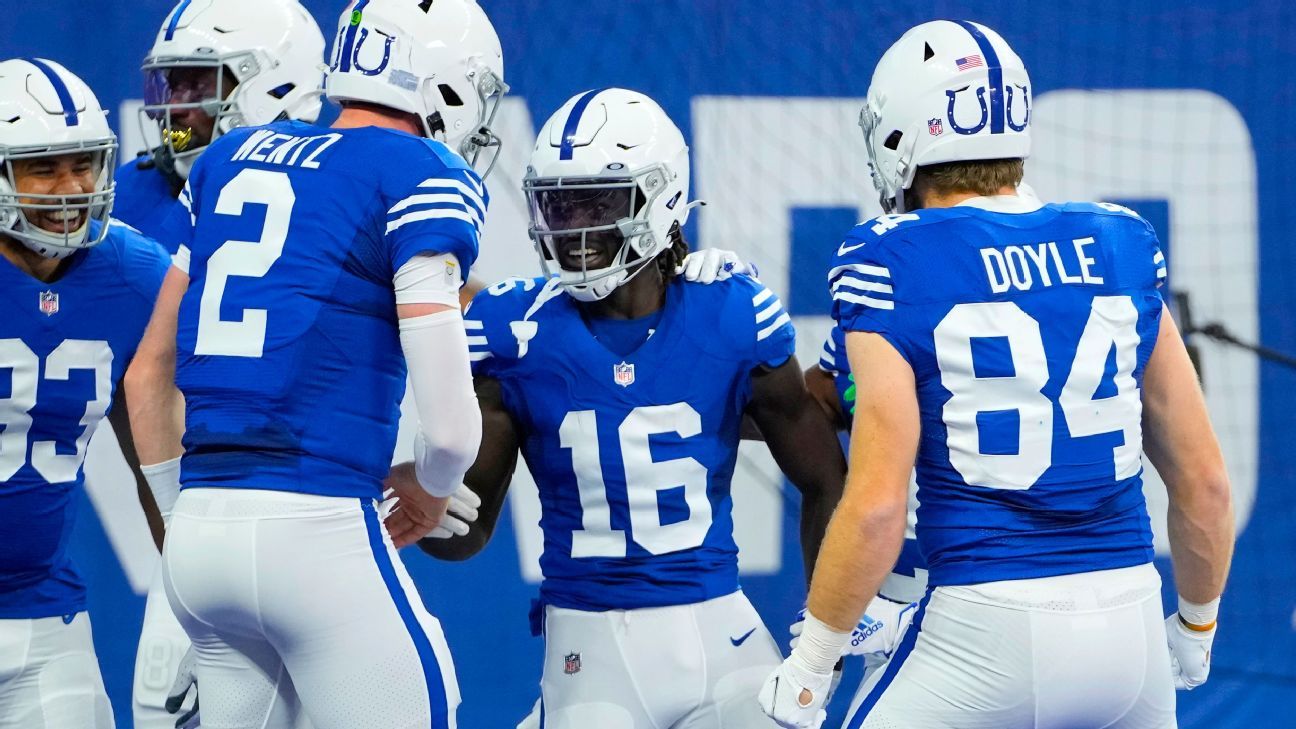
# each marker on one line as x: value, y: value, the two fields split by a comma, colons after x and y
x: 28, y: 261
x: 643, y: 295
x: 934, y: 199
x: 372, y: 115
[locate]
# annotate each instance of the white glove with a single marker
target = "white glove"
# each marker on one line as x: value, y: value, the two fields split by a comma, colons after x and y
x: 879, y: 631
x: 460, y: 514
x: 1190, y: 652
x: 186, y: 678
x: 780, y: 697
x: 714, y: 264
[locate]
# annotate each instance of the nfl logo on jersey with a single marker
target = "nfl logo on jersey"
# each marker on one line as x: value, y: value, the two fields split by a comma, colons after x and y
x: 49, y: 304
x: 623, y: 375
x: 571, y: 663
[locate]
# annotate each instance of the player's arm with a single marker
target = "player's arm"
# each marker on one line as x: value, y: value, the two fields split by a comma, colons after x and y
x: 1178, y: 438
x: 824, y: 390
x: 489, y: 477
x: 804, y: 444
x: 867, y: 530
x: 154, y: 412
x: 449, y: 432
x: 119, y: 418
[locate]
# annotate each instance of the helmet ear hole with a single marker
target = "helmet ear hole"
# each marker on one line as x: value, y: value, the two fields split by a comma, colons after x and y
x: 449, y: 96
x: 928, y: 53
x: 893, y: 140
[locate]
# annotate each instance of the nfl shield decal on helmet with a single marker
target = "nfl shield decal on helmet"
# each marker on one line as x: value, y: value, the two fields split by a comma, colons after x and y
x: 49, y: 305
x: 623, y: 375
x: 571, y: 663
x: 935, y: 127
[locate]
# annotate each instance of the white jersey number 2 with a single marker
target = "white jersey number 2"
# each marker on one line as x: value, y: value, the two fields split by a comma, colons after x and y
x: 644, y: 480
x: 253, y: 259
x: 1112, y: 324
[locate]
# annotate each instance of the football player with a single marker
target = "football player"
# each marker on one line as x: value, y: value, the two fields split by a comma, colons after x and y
x: 319, y: 257
x: 213, y: 67
x: 77, y: 291
x: 625, y: 388
x: 1018, y: 353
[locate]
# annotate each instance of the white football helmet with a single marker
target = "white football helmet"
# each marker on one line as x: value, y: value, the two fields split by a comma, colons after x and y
x: 947, y: 91
x: 46, y: 111
x: 608, y: 163
x: 437, y: 59
x: 273, y: 49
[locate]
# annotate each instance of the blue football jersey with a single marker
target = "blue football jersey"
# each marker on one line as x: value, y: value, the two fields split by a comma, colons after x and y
x: 633, y: 455
x: 144, y: 201
x: 63, y: 348
x: 288, y: 351
x: 1028, y: 328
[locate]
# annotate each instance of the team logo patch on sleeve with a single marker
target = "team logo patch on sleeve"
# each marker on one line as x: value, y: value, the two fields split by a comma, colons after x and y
x: 622, y: 374
x: 571, y: 664
x: 49, y: 303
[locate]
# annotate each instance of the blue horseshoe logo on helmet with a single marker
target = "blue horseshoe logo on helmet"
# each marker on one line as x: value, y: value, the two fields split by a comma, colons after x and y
x: 985, y: 112
x: 1008, y: 115
x: 355, y: 54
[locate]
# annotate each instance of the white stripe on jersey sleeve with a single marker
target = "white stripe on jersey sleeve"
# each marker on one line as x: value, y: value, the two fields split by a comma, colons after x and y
x: 828, y: 357
x: 865, y: 300
x: 431, y: 199
x: 761, y: 297
x: 864, y: 268
x: 861, y: 285
x: 773, y: 327
x: 433, y: 214
x: 769, y: 311
x: 472, y: 192
x: 478, y: 356
x: 472, y: 324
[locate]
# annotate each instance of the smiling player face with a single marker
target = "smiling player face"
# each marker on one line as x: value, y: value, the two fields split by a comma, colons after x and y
x: 574, y: 209
x: 65, y: 174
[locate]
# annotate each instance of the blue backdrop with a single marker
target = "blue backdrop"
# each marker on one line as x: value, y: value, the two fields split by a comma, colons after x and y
x: 679, y: 50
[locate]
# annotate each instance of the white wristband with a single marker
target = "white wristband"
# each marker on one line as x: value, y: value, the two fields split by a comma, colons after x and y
x: 1199, y: 615
x: 164, y: 481
x: 819, y: 648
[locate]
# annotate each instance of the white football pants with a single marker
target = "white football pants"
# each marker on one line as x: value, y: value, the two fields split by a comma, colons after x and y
x: 49, y: 676
x: 299, y: 603
x: 1084, y: 651
x: 681, y: 667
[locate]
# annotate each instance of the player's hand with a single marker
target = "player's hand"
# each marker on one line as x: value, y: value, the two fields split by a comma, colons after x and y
x: 416, y: 512
x: 1190, y: 653
x: 795, y: 698
x: 460, y: 515
x: 714, y: 264
x: 186, y: 678
x: 879, y: 631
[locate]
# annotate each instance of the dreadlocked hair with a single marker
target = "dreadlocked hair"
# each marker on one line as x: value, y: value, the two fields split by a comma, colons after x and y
x: 669, y: 260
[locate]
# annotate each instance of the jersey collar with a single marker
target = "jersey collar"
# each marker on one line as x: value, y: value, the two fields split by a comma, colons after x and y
x: 1020, y: 203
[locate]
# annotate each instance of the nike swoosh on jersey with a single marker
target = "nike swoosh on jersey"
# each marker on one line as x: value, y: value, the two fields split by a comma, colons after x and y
x: 843, y: 249
x: 742, y: 639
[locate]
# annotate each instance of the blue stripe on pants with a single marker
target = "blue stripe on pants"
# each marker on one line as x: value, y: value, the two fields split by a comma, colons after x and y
x: 431, y: 669
x: 893, y: 666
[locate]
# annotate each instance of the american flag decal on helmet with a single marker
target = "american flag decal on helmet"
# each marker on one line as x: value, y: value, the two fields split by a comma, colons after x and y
x: 973, y: 61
